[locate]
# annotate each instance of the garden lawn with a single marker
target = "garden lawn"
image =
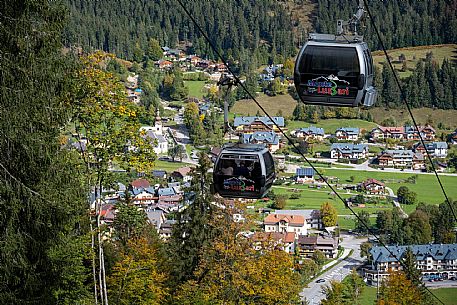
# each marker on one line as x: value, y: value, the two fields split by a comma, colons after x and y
x: 447, y: 295
x: 169, y: 166
x: 272, y: 104
x: 195, y: 88
x: 426, y: 186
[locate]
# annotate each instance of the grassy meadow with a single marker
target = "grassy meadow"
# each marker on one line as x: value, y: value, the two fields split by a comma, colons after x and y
x: 447, y: 295
x: 414, y: 54
x: 272, y: 105
x: 448, y: 117
x: 426, y: 187
x: 195, y: 88
x: 169, y: 166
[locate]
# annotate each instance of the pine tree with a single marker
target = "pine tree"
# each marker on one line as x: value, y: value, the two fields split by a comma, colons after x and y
x: 193, y: 230
x: 42, y: 191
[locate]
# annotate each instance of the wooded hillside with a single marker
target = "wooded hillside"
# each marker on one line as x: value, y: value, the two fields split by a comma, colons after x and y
x: 235, y: 27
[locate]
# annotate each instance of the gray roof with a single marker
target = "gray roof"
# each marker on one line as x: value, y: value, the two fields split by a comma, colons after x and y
x: 440, y: 145
x: 269, y: 137
x: 247, y: 120
x: 437, y: 251
x: 168, y: 191
x: 349, y: 147
x: 399, y: 152
x: 155, y: 217
x: 159, y: 173
x: 153, y: 136
x: 312, y: 130
x: 305, y: 171
x: 432, y: 145
x: 307, y: 214
x: 349, y: 130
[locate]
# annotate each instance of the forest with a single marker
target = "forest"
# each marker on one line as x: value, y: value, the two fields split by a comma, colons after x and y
x: 240, y: 26
x: 235, y: 27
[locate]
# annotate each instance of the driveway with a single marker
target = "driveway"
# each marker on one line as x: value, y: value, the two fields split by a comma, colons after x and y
x: 339, y: 269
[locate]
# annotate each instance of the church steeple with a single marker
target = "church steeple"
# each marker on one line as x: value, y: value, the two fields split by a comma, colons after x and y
x: 158, y: 127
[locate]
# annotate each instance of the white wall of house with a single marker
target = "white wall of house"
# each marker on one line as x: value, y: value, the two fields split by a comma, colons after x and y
x: 284, y: 227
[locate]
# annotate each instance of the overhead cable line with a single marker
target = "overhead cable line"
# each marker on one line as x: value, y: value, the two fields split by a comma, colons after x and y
x: 403, y: 97
x: 292, y: 143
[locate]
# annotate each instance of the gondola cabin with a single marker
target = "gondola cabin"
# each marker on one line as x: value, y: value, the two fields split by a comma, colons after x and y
x: 333, y: 71
x: 244, y: 171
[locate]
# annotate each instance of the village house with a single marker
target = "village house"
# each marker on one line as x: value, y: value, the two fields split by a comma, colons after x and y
x: 381, y: 133
x: 182, y: 173
x: 166, y: 229
x: 348, y: 151
x: 285, y: 241
x: 144, y: 197
x: 159, y: 174
x: 435, y: 149
x: 156, y: 217
x: 309, y: 133
x: 139, y: 184
x: 312, y: 217
x: 401, y: 159
x: 372, y: 186
x: 164, y: 64
x: 347, y: 133
x: 194, y: 60
x: 285, y: 223
x: 269, y: 138
x: 169, y: 197
x: 308, y: 244
x: 251, y: 124
x: 304, y: 175
x: 437, y: 260
x: 107, y: 213
x: 427, y: 132
x: 403, y: 133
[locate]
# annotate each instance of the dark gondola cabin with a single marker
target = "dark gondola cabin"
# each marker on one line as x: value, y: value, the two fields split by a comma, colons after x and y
x: 244, y: 171
x: 333, y: 71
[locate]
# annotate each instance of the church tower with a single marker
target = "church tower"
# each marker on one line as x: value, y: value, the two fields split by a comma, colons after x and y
x: 158, y: 127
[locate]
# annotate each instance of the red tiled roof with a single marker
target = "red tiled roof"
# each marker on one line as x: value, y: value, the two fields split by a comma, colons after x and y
x: 400, y: 129
x: 140, y: 184
x: 291, y: 219
x: 371, y: 181
x: 183, y: 170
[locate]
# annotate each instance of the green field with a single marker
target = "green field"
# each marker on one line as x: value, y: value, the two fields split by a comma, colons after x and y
x: 447, y: 295
x: 195, y: 88
x: 169, y: 166
x: 272, y: 104
x: 331, y: 125
x: 426, y: 186
x: 414, y: 54
x: 448, y: 117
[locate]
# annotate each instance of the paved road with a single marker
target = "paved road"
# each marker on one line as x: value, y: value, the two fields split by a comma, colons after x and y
x: 441, y: 284
x: 181, y: 136
x: 291, y: 167
x: 344, y: 265
x: 395, y: 201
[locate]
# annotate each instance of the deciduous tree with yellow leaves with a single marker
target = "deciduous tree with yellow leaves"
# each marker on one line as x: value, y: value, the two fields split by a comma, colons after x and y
x: 329, y: 215
x: 398, y: 290
x: 236, y: 270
